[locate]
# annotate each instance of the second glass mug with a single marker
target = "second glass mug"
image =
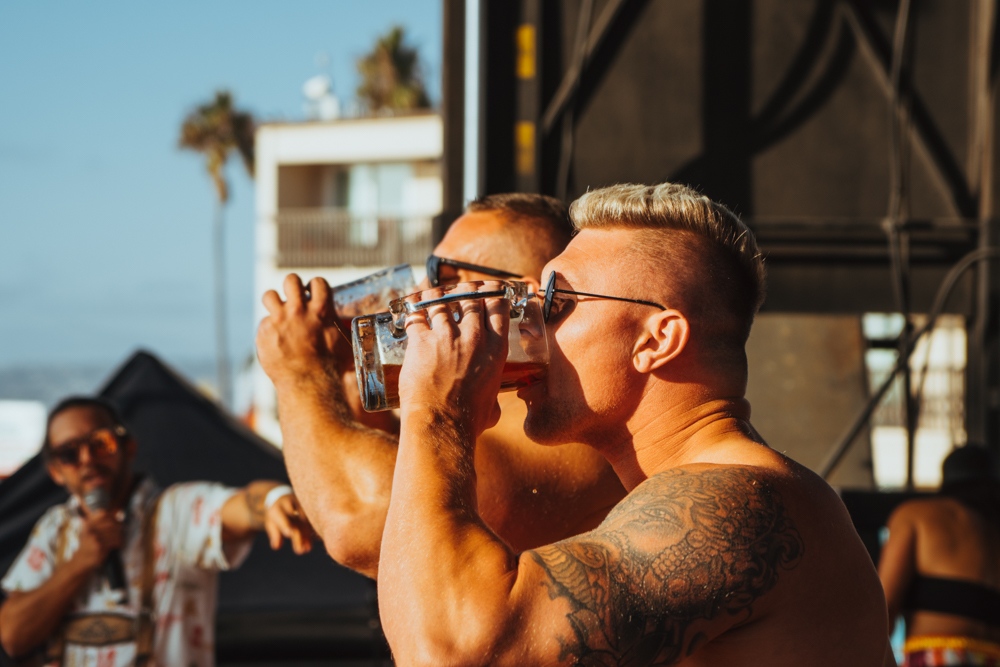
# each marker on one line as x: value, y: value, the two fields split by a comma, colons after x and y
x: 367, y: 295
x: 379, y: 340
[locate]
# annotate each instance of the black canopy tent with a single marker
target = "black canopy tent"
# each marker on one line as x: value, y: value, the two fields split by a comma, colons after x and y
x: 276, y: 608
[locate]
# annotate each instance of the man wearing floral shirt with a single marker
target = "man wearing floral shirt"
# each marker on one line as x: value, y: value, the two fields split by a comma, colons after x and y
x: 60, y: 603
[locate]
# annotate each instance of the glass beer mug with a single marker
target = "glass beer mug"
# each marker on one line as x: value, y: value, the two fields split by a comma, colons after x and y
x: 380, y: 340
x: 370, y: 294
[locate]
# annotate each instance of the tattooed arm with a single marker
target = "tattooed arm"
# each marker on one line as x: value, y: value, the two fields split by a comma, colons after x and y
x: 245, y: 514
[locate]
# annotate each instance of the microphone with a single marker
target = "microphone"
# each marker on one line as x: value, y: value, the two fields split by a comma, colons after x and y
x: 98, y: 500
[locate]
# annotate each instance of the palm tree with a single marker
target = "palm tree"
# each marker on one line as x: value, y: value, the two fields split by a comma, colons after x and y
x: 392, y: 75
x: 215, y: 130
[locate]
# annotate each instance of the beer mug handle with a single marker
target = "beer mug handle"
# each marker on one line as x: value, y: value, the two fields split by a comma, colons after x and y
x: 400, y: 309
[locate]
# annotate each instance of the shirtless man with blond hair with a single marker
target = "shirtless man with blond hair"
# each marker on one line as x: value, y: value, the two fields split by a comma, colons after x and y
x: 342, y: 470
x: 724, y: 552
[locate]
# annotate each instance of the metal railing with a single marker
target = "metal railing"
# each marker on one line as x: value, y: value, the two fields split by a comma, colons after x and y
x: 942, y: 404
x: 317, y: 238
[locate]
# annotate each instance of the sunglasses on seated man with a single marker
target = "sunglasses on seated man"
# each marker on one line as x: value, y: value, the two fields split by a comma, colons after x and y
x: 551, y: 290
x: 102, y: 443
x: 434, y: 264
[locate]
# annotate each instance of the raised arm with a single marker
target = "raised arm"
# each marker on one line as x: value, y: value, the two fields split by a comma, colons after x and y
x: 29, y: 617
x: 341, y: 470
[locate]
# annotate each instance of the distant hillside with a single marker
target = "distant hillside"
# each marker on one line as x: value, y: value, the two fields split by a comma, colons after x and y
x: 48, y: 384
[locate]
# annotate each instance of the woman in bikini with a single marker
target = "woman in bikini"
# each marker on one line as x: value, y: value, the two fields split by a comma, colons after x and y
x: 941, y: 566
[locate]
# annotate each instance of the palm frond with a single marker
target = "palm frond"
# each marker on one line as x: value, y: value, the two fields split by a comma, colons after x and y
x: 216, y: 129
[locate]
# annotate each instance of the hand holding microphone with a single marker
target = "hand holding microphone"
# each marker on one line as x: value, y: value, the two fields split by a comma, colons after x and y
x: 102, y: 538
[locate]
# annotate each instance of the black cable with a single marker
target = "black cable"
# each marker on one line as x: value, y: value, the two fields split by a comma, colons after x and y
x: 899, y: 238
x: 897, y: 178
x: 940, y: 299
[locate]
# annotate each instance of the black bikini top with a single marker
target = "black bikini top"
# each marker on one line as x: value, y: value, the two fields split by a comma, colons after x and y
x: 954, y: 596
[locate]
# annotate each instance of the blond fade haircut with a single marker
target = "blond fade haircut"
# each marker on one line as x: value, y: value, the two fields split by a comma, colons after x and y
x: 711, y: 257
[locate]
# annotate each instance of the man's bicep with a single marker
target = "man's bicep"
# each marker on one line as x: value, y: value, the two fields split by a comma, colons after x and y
x: 599, y: 608
x: 589, y: 606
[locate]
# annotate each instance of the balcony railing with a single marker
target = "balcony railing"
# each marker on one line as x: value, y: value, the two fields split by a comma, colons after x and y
x: 316, y: 238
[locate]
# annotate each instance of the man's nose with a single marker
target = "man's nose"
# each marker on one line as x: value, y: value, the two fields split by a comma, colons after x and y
x: 84, y: 455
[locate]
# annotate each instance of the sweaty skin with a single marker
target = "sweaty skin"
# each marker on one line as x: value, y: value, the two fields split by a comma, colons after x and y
x: 723, y: 552
x: 342, y: 470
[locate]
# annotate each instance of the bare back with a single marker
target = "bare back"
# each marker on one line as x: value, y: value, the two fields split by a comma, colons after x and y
x: 940, y: 537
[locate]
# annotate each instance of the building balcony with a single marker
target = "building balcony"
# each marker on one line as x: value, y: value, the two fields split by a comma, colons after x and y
x: 320, y: 238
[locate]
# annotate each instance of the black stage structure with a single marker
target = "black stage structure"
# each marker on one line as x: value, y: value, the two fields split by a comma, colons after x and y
x: 855, y: 137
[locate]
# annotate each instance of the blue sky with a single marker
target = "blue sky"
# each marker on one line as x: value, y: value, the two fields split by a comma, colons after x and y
x: 104, y: 224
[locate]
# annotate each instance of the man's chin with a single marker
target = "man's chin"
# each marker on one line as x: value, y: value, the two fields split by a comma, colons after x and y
x: 96, y: 480
x: 538, y: 429
x: 543, y: 418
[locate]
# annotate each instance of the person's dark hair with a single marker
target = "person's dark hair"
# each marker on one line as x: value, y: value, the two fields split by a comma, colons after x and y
x: 971, y: 475
x: 526, y: 205
x: 536, y: 229
x: 71, y: 402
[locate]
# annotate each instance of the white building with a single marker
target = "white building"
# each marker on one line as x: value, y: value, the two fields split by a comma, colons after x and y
x: 22, y: 429
x: 341, y: 199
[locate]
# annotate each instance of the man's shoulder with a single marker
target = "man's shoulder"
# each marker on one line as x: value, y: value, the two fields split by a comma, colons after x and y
x: 696, y: 546
x: 930, y: 508
x: 54, y: 517
x: 702, y: 548
x: 712, y: 483
x: 732, y: 505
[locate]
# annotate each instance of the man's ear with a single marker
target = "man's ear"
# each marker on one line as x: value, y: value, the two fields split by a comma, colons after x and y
x: 663, y: 338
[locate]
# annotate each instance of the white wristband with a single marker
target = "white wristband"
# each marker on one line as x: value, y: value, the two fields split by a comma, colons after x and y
x: 275, y: 493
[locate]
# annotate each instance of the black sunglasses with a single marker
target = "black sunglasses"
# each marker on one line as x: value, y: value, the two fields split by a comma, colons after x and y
x: 102, y: 443
x: 551, y: 290
x: 434, y: 266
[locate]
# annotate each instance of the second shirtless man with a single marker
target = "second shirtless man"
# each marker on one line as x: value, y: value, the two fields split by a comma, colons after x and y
x: 342, y: 471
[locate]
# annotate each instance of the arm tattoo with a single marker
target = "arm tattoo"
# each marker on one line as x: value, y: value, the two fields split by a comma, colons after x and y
x: 683, y: 548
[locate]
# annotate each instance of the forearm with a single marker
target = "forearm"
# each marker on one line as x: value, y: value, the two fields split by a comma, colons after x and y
x: 243, y: 513
x: 28, y: 619
x: 446, y: 579
x: 342, y: 471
